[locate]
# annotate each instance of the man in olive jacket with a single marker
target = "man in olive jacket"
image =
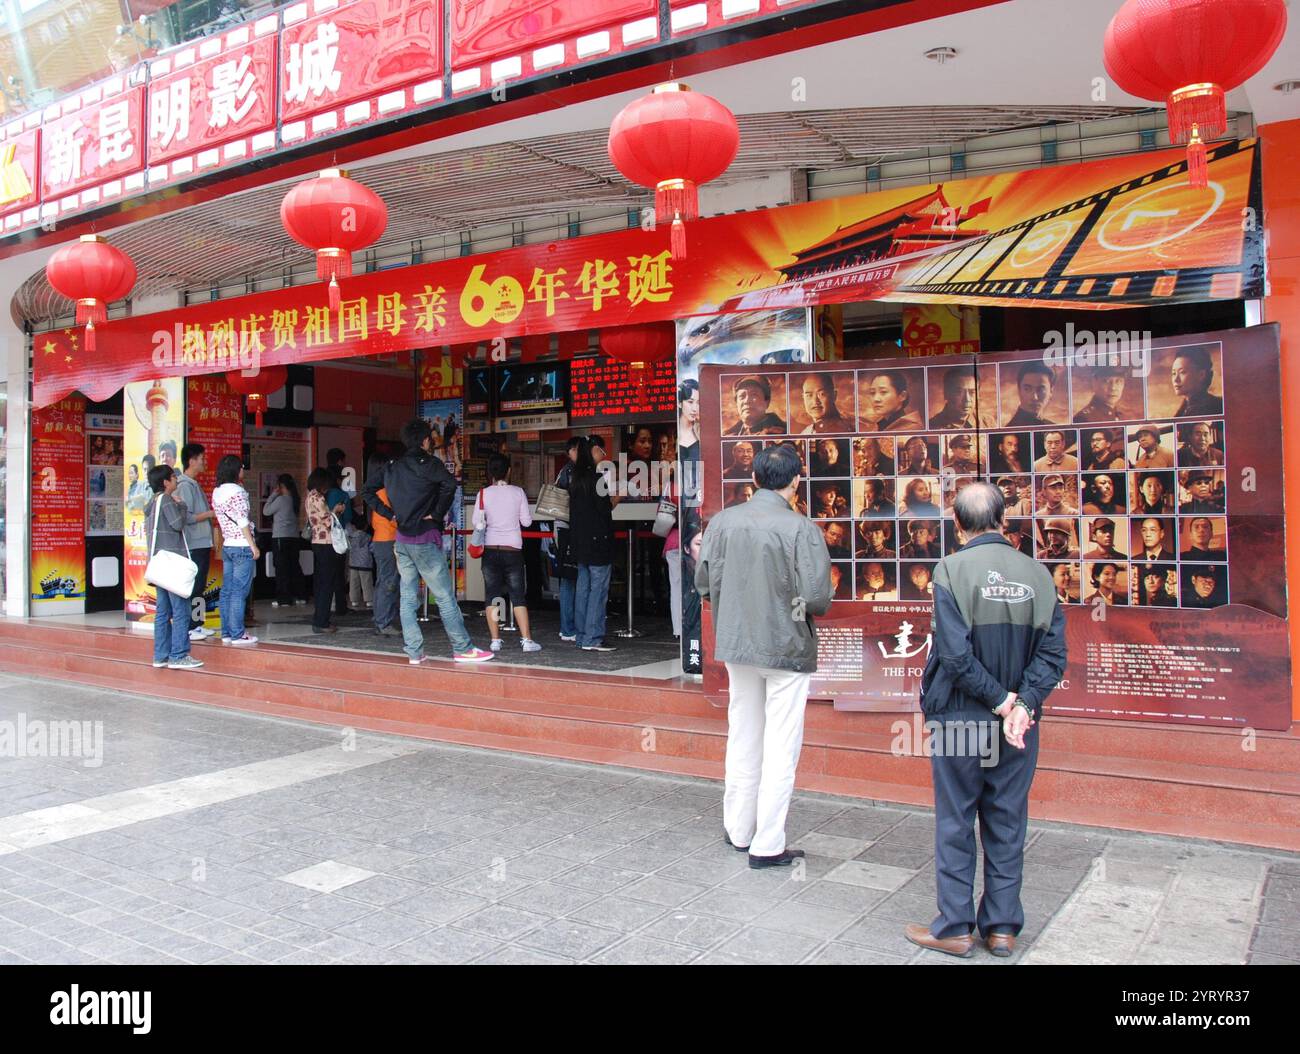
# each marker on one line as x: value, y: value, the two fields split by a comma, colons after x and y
x: 766, y: 571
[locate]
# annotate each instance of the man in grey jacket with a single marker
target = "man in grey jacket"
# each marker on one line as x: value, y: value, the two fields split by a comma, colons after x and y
x: 766, y: 571
x: 198, y: 531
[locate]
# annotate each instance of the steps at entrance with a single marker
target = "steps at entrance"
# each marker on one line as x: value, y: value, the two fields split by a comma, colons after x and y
x: 1209, y: 783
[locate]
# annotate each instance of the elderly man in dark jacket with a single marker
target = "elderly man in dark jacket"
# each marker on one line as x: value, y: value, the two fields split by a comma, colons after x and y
x: 766, y: 571
x: 998, y: 651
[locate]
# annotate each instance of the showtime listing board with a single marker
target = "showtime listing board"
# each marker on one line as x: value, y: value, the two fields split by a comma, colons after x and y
x: 1144, y: 481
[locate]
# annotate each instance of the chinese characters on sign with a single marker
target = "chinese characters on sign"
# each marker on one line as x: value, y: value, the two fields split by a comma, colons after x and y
x: 93, y: 144
x: 357, y: 51
x: 213, y: 101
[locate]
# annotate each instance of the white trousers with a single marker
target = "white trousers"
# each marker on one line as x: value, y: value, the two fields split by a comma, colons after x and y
x: 674, y: 560
x: 764, y: 737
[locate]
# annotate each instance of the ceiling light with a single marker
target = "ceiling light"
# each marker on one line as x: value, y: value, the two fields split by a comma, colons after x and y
x: 941, y: 55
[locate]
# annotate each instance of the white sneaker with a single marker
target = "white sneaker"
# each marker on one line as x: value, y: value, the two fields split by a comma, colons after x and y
x: 416, y: 662
x: 244, y: 640
x: 160, y: 665
x: 198, y: 634
x: 207, y: 632
x: 496, y: 644
x: 570, y: 637
x: 528, y: 644
x: 275, y: 603
x: 187, y: 663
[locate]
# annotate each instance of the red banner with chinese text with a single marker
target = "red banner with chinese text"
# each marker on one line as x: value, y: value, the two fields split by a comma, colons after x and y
x: 1116, y: 233
x: 58, y: 532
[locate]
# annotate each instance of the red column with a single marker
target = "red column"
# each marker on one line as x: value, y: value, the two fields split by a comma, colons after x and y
x: 1281, y: 160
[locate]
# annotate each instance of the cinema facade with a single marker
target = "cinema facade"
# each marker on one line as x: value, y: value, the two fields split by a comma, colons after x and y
x: 1029, y: 288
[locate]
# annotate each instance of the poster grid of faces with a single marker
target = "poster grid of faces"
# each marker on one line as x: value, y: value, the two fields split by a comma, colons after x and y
x: 1113, y: 475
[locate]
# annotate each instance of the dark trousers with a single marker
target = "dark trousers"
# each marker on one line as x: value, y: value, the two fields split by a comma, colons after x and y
x: 203, y: 560
x: 385, y: 584
x: 966, y: 787
x: 288, y: 571
x: 341, y: 585
x: 327, y: 573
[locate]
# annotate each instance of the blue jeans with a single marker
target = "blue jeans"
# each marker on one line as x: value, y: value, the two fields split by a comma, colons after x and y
x: 171, y: 627
x: 237, y: 571
x: 430, y: 563
x: 385, y: 584
x: 568, y: 597
x: 592, y: 594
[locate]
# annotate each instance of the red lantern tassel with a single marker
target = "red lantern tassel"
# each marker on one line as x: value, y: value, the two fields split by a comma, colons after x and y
x: 1197, y: 108
x: 677, y: 239
x: 1198, y: 164
x: 677, y: 198
x: 333, y: 264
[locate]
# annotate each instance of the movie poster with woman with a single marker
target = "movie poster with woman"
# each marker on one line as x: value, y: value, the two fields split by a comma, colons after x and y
x: 153, y: 433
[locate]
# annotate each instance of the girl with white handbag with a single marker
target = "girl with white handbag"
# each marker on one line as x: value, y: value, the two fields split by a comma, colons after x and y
x: 170, y: 570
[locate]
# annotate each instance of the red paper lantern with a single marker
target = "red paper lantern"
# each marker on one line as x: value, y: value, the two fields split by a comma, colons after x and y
x: 640, y: 345
x: 92, y: 273
x: 671, y: 141
x: 1187, y: 54
x: 257, y: 386
x: 336, y: 216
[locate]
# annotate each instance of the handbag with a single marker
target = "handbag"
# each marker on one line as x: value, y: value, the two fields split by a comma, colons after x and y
x: 478, y: 538
x: 168, y: 570
x: 552, y: 503
x: 338, y: 536
x: 665, y: 518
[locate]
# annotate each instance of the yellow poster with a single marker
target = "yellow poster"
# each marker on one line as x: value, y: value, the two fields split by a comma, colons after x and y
x: 153, y: 433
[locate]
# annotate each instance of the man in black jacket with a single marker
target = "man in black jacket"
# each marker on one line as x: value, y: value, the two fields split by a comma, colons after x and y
x: 998, y: 651
x: 420, y: 494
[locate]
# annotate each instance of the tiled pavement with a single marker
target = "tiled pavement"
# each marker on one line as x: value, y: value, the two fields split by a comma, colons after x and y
x: 210, y: 836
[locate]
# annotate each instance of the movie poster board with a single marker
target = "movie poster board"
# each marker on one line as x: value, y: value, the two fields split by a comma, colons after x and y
x: 773, y: 338
x: 1153, y: 492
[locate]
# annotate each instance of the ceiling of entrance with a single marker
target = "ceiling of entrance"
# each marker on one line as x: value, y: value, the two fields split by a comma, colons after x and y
x: 442, y: 194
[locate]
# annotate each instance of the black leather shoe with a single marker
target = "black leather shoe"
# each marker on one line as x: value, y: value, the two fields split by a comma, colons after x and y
x: 739, y: 848
x: 784, y: 859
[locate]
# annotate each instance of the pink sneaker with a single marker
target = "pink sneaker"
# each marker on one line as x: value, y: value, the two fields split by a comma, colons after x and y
x: 473, y: 655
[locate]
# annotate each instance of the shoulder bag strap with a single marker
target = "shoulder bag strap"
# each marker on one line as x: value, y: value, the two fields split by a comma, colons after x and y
x: 157, y: 511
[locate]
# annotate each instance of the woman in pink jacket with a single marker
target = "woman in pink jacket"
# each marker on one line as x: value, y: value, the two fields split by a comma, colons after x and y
x: 501, y: 512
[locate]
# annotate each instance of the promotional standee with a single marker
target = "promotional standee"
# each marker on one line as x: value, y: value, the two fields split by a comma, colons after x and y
x: 214, y: 418
x: 767, y: 337
x: 1146, y: 477
x: 153, y: 434
x: 58, y: 532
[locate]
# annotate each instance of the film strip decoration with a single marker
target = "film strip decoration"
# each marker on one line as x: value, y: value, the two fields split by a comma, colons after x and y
x: 1068, y: 246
